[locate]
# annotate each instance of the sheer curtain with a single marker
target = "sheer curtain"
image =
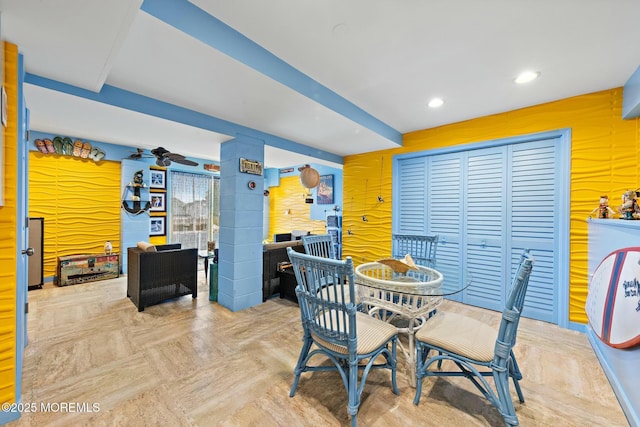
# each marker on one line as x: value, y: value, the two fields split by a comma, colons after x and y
x: 195, y: 209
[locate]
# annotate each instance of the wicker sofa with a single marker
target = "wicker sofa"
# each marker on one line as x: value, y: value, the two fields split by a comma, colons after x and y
x: 272, y: 255
x: 158, y: 273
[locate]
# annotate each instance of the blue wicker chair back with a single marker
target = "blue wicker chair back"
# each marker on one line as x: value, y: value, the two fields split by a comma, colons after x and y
x: 467, y: 349
x: 320, y: 245
x: 352, y: 340
x: 421, y: 248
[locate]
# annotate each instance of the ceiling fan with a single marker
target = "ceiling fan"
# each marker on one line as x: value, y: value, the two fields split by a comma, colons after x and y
x: 164, y: 158
x: 138, y: 154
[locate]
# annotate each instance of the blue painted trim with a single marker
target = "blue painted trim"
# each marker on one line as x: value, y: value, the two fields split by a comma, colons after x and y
x: 621, y: 368
x: 631, y: 96
x: 22, y: 213
x: 578, y: 327
x: 563, y: 227
x: 190, y: 19
x: 117, y: 97
x: 562, y: 133
x: 7, y: 417
x: 563, y: 203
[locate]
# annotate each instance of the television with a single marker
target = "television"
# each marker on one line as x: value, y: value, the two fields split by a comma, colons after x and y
x: 282, y: 237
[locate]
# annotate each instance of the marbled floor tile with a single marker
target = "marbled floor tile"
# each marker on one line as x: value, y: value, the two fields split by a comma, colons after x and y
x: 69, y: 358
x: 195, y: 363
x: 152, y: 407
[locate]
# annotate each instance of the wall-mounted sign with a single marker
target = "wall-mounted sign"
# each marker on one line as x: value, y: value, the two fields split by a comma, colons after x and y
x: 253, y: 167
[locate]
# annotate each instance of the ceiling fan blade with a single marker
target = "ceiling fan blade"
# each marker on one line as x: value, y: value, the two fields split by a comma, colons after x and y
x: 162, y: 161
x: 179, y: 158
x: 186, y: 162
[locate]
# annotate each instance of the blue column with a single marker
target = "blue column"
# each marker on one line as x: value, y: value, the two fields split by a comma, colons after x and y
x: 240, y: 238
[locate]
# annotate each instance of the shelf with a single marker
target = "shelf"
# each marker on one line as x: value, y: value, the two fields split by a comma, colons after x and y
x: 136, y: 206
x: 617, y: 223
x: 131, y: 200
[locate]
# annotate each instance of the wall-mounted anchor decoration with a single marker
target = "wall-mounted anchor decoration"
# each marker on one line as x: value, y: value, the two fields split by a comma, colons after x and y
x: 131, y: 200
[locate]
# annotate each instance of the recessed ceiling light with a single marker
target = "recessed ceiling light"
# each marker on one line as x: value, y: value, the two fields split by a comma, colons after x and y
x: 526, y: 77
x: 435, y: 103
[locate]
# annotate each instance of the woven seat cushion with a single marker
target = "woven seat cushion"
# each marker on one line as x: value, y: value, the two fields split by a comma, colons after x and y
x: 372, y: 334
x: 461, y: 335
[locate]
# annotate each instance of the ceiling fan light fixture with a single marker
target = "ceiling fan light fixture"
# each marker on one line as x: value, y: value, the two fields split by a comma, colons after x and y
x: 526, y: 77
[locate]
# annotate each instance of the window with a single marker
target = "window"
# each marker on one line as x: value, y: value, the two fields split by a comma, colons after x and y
x: 195, y: 209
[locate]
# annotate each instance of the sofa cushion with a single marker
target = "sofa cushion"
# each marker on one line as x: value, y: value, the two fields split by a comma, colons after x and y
x: 146, y: 246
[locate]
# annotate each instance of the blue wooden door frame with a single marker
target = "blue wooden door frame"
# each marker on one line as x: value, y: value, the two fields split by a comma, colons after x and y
x: 563, y: 186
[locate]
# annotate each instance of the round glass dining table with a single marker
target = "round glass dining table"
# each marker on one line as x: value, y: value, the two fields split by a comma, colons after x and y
x: 407, y: 299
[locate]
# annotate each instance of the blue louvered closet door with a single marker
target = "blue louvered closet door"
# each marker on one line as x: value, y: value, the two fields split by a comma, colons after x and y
x: 487, y: 205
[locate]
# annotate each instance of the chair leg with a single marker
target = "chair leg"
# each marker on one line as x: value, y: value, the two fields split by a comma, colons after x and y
x: 354, y: 396
x: 394, y: 364
x: 501, y: 378
x: 304, y: 352
x: 516, y: 376
x: 420, y: 358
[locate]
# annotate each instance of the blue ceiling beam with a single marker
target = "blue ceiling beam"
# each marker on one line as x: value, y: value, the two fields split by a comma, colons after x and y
x: 117, y: 97
x: 190, y: 19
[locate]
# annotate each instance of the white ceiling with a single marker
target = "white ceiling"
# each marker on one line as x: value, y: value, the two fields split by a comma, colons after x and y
x: 347, y: 77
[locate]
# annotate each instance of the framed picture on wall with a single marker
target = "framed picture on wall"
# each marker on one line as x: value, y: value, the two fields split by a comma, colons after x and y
x: 157, y: 226
x: 158, y: 179
x: 158, y: 202
x: 325, y: 190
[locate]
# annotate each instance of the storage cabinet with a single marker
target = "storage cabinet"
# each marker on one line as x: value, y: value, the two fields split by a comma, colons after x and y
x: 74, y: 269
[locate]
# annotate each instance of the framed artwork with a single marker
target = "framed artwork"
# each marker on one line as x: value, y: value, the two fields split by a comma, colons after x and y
x: 158, y: 202
x: 158, y: 179
x: 325, y: 190
x: 157, y: 226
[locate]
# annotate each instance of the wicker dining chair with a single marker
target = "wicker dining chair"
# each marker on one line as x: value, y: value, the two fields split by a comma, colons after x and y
x: 350, y: 339
x: 421, y: 248
x: 319, y: 245
x: 468, y: 343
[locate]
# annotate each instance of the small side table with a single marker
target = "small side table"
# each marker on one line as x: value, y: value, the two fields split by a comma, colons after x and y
x: 206, y: 256
x: 288, y: 284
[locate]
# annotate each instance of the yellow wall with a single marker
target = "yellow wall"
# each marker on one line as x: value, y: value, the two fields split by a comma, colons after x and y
x: 605, y: 159
x: 288, y: 197
x: 8, y: 225
x: 80, y: 202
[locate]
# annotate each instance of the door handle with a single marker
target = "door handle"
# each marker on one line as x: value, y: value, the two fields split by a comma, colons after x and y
x: 28, y: 252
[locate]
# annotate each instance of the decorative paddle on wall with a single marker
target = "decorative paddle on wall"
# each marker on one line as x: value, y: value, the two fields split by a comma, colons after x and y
x: 164, y: 157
